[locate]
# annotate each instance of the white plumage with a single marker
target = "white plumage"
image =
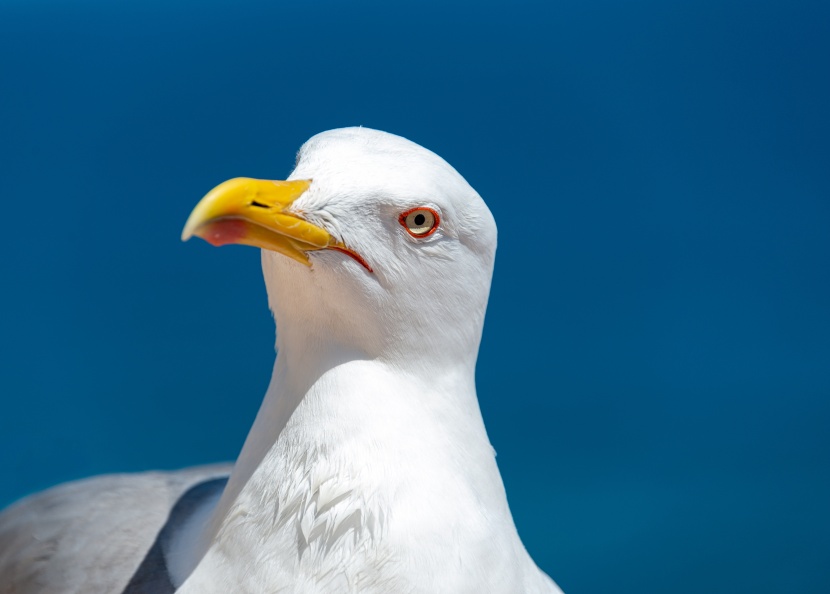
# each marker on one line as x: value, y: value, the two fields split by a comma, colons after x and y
x: 368, y: 468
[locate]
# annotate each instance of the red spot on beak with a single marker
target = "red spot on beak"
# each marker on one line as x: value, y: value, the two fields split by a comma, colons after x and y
x: 223, y: 232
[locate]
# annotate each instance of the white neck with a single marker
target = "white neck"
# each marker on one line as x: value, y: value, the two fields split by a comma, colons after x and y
x: 297, y: 487
x: 290, y: 385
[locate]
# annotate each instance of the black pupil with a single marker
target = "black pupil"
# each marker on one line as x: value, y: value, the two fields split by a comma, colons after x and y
x: 419, y: 219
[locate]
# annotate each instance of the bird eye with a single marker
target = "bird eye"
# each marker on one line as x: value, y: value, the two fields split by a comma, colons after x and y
x: 420, y: 222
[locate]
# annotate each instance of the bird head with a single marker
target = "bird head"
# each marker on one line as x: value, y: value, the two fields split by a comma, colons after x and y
x: 373, y: 244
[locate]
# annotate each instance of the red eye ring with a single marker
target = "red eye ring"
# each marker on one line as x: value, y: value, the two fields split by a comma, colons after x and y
x: 436, y: 221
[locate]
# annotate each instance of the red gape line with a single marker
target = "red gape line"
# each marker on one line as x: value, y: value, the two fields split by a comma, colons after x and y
x: 224, y: 232
x: 354, y: 255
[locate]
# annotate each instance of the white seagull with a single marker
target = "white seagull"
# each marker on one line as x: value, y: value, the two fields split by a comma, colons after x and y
x: 368, y: 468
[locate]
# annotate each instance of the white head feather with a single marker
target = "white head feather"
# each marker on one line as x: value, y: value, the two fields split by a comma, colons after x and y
x: 424, y: 302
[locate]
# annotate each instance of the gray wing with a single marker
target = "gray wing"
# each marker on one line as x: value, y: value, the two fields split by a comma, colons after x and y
x: 89, y: 536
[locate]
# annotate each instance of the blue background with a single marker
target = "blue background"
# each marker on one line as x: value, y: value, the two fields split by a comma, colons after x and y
x: 655, y: 370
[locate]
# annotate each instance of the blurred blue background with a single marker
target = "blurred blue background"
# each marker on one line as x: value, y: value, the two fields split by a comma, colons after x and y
x: 655, y: 370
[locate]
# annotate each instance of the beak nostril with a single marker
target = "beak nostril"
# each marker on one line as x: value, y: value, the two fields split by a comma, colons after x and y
x: 258, y: 204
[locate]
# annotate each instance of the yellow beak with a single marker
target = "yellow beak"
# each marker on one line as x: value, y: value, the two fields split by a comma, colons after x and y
x: 252, y: 212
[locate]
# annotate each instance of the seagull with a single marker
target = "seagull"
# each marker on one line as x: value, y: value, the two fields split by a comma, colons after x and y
x: 368, y: 468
